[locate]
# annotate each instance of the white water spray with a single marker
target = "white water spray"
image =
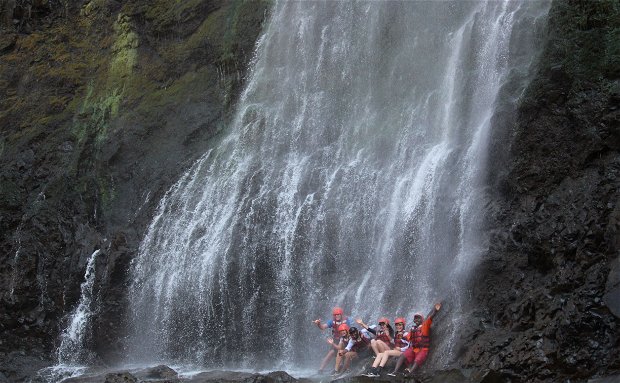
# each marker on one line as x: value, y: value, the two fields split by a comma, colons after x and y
x: 71, y: 351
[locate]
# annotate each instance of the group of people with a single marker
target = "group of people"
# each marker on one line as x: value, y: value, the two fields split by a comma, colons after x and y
x: 348, y: 342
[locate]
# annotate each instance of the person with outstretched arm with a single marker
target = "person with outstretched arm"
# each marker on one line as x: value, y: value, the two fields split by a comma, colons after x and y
x: 337, y: 320
x: 384, y: 333
x: 419, y: 342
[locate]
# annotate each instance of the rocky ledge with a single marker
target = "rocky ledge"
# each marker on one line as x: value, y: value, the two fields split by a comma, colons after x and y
x: 165, y: 374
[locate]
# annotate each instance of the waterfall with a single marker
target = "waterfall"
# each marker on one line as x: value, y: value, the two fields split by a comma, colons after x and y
x: 72, y: 354
x: 353, y: 174
x: 71, y: 351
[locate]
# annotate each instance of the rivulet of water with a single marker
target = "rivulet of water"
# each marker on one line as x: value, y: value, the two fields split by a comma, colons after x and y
x: 71, y: 351
x: 353, y: 174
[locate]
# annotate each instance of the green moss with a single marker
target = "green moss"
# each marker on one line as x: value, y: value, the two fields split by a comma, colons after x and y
x: 165, y: 13
x: 94, y: 115
x: 124, y: 52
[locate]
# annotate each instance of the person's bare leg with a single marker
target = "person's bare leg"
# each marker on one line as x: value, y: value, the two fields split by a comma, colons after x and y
x: 386, y: 356
x: 338, y: 362
x: 382, y: 346
x: 348, y: 357
x: 378, y: 359
x: 374, y: 344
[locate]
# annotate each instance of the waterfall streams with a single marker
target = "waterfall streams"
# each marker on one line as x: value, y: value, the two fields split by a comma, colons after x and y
x: 71, y: 350
x: 352, y: 174
x: 72, y: 355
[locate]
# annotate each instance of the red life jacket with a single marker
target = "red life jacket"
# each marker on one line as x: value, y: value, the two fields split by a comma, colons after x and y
x: 420, y: 338
x: 335, y: 333
x: 384, y: 336
x: 360, y: 344
x: 398, y: 339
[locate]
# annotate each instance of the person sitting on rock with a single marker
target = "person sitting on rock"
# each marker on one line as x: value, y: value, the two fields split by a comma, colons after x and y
x: 399, y: 345
x: 337, y: 320
x: 343, y: 332
x: 383, y: 335
x: 358, y: 346
x: 419, y: 342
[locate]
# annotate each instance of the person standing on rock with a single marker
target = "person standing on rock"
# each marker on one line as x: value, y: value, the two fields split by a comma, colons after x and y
x: 419, y: 342
x: 338, y: 319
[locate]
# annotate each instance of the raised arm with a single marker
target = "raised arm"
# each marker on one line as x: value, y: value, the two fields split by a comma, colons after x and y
x: 434, y: 310
x: 320, y: 325
x: 365, y: 326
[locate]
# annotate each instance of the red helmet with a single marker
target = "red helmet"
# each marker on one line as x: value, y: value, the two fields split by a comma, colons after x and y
x: 384, y: 319
x: 337, y: 311
x: 343, y: 327
x: 400, y: 320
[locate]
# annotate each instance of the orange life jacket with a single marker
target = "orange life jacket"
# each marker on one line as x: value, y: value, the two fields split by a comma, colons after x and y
x: 420, y: 336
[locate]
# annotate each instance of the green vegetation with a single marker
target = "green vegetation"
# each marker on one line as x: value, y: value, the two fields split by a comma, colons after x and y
x: 94, y: 115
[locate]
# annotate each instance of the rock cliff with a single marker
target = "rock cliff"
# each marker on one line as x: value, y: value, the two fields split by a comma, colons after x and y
x: 102, y: 105
x: 546, y: 295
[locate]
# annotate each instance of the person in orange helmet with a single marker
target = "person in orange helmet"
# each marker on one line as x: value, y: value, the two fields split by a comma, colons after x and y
x: 384, y: 333
x: 343, y: 331
x: 337, y: 319
x: 419, y: 342
x: 398, y: 345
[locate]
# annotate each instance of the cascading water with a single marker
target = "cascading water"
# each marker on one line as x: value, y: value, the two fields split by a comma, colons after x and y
x: 353, y: 174
x: 72, y: 355
x: 71, y: 350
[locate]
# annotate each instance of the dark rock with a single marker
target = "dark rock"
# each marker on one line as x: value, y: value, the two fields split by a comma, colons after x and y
x: 280, y: 377
x: 607, y: 379
x: 550, y: 291
x: 120, y: 377
x: 159, y: 372
x: 241, y: 377
x: 18, y: 366
x: 612, y: 288
x: 7, y: 41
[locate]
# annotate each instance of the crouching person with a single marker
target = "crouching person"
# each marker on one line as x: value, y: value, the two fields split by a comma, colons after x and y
x: 357, y: 347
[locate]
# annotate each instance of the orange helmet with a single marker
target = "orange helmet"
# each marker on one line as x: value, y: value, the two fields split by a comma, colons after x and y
x: 337, y: 311
x: 400, y: 320
x: 384, y: 319
x: 343, y: 327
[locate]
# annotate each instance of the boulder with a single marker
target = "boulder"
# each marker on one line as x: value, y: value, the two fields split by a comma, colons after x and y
x: 120, y: 377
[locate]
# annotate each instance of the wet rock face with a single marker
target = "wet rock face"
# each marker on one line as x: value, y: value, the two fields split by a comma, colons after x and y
x: 545, y: 304
x: 102, y: 104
